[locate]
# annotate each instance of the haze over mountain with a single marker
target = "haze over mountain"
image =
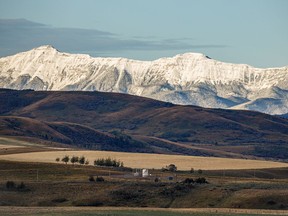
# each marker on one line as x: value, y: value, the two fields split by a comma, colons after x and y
x: 190, y: 78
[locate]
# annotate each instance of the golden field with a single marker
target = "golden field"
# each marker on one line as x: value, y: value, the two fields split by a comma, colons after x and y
x: 150, y: 161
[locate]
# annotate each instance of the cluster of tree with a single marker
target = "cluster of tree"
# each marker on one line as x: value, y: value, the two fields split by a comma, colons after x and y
x: 74, y: 159
x: 200, y: 180
x: 109, y: 162
x: 170, y: 167
x: 97, y: 179
x: 10, y: 185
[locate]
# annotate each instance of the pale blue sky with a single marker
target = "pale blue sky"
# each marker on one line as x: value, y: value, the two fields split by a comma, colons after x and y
x: 247, y: 31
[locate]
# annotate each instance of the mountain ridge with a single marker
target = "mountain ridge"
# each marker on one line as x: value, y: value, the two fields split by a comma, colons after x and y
x: 188, y: 79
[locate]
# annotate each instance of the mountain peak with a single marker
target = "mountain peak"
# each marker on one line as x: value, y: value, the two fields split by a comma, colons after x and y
x: 191, y: 55
x: 46, y: 47
x: 189, y: 78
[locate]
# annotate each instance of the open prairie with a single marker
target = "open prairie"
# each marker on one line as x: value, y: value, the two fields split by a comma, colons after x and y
x: 150, y: 161
x: 61, y: 185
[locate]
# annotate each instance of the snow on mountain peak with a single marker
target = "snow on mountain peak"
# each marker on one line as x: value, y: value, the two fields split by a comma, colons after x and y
x: 191, y: 55
x: 45, y: 47
x: 189, y: 78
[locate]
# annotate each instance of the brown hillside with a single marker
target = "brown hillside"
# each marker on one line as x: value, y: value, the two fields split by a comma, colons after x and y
x: 137, y: 116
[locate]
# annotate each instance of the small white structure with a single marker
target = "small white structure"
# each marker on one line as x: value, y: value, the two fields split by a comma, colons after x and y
x: 136, y: 174
x: 145, y: 173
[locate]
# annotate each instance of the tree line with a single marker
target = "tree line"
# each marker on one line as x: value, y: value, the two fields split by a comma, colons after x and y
x: 108, y: 162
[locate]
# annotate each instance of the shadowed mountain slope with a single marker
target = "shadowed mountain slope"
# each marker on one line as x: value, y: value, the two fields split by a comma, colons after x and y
x: 108, y: 116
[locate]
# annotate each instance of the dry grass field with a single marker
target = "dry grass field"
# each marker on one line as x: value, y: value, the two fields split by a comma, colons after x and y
x: 150, y: 161
x: 244, y: 184
x: 108, y: 211
x: 59, y: 185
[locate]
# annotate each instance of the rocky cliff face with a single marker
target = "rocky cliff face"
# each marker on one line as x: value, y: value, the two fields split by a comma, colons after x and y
x: 190, y: 78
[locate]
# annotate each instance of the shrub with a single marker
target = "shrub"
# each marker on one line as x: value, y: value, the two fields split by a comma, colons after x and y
x: 91, y: 179
x: 59, y: 200
x: 201, y: 180
x: 86, y: 162
x: 57, y: 159
x: 10, y: 184
x: 99, y: 179
x: 188, y: 181
x: 22, y: 186
x: 271, y: 202
x: 200, y: 171
x: 172, y: 168
x: 192, y: 170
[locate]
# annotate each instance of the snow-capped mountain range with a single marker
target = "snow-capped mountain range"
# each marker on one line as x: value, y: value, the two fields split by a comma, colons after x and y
x: 189, y: 78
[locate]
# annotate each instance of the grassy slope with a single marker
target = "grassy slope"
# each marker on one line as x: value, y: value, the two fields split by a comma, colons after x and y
x: 64, y: 132
x: 68, y: 185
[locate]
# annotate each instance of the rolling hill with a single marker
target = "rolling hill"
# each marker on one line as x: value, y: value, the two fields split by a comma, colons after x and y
x: 121, y: 122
